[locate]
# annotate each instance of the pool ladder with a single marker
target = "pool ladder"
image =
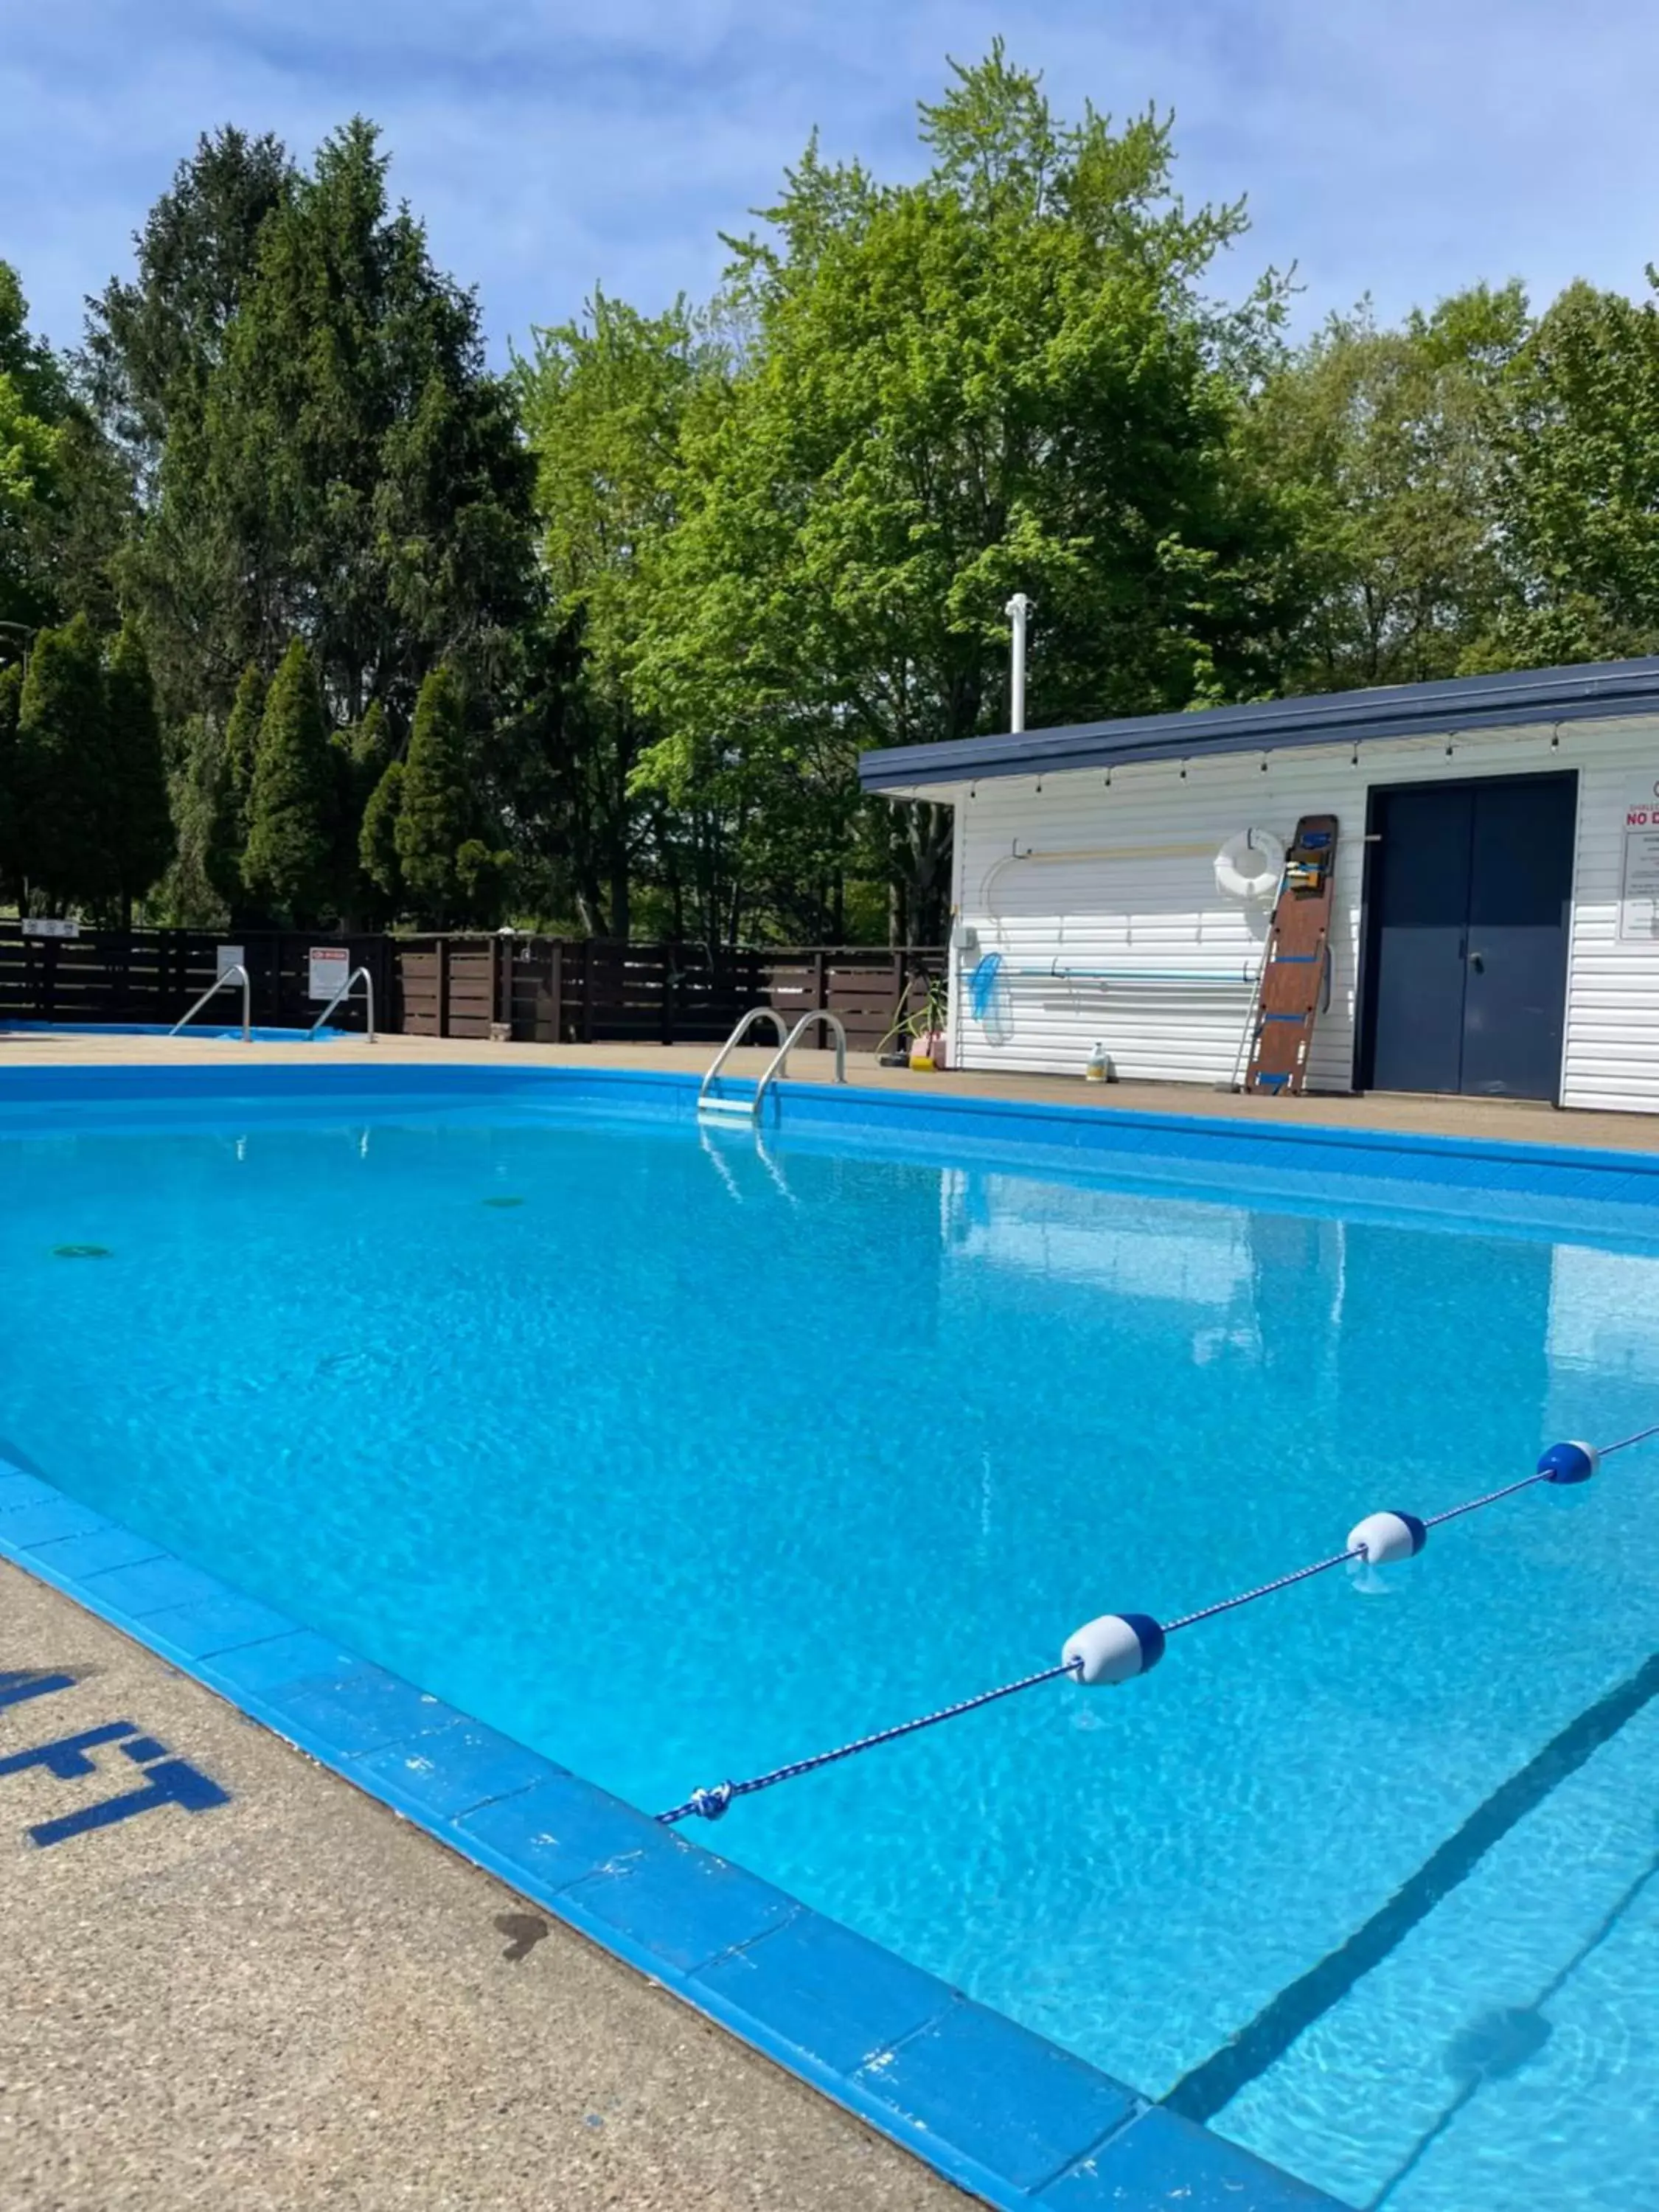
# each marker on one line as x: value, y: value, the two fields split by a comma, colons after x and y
x: 712, y: 1101
x: 227, y: 980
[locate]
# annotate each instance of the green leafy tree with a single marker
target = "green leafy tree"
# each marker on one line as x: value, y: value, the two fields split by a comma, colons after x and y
x: 1578, y: 484
x: 137, y: 832
x: 1004, y: 377
x: 604, y: 402
x: 1386, y: 444
x: 64, y: 507
x: 288, y: 862
x: 61, y: 770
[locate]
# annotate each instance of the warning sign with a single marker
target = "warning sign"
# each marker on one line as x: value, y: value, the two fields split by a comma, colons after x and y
x: 1638, y: 883
x: 330, y: 966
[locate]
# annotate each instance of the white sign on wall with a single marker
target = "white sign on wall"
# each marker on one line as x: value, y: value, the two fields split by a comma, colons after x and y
x: 330, y: 966
x: 230, y: 956
x: 37, y: 925
x: 1638, y: 882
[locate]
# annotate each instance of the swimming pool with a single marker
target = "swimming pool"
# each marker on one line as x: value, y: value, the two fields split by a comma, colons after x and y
x: 674, y: 1456
x: 218, y: 1034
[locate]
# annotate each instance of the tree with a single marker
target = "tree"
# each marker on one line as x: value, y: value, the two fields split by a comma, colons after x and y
x: 604, y: 402
x: 155, y: 341
x: 1578, y: 492
x: 377, y: 842
x: 61, y: 768
x: 353, y: 475
x: 445, y: 868
x: 229, y: 765
x: 288, y: 864
x: 1386, y: 443
x: 138, y: 835
x: 11, y: 867
x: 1003, y: 377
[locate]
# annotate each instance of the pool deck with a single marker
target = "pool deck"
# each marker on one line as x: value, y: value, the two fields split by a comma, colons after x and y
x: 1506, y: 1121
x: 295, y: 1998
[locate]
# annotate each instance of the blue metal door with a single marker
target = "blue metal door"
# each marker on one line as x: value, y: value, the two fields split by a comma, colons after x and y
x: 1516, y: 961
x: 1467, y: 956
x: 1419, y: 913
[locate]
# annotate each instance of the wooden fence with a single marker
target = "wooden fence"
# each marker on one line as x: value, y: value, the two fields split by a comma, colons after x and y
x: 540, y: 990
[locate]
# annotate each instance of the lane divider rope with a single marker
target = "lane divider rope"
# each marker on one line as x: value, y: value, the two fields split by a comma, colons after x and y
x: 1119, y: 1646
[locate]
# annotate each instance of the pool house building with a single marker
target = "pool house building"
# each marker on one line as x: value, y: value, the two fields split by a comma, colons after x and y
x: 1490, y: 915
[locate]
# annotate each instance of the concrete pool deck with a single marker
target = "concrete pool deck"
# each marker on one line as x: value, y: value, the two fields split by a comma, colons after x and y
x: 297, y: 1999
x: 1509, y: 1121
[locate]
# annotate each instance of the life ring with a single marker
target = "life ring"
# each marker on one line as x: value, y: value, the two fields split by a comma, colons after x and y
x: 1230, y: 874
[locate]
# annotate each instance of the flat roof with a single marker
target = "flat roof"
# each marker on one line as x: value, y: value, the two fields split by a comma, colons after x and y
x: 1596, y: 691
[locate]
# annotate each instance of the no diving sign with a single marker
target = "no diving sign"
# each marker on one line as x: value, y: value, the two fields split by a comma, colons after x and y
x: 330, y: 964
x: 1639, y: 884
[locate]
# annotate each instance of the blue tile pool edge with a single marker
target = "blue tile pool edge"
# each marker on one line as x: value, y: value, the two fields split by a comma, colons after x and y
x: 995, y: 2109
x: 1082, y: 1130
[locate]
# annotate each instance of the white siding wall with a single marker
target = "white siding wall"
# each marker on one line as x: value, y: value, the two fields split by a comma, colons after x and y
x: 1138, y: 909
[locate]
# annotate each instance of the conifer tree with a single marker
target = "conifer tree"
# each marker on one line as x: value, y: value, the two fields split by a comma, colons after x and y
x: 60, y: 768
x: 137, y: 838
x: 437, y: 815
x: 287, y: 866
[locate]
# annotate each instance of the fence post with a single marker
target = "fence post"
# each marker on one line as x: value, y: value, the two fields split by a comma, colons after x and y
x: 821, y: 960
x: 670, y: 964
x: 587, y: 990
x: 556, y: 987
x: 443, y: 985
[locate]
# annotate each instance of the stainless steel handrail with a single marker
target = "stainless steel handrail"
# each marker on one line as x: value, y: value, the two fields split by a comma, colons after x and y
x: 754, y: 1014
x: 779, y: 1063
x: 213, y: 990
x: 357, y: 975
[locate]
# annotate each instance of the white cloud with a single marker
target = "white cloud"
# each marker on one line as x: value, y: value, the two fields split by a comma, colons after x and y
x: 1404, y: 150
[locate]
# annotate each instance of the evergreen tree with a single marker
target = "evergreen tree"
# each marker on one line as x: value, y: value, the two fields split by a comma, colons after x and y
x: 61, y: 768
x: 225, y: 778
x: 377, y: 842
x: 361, y: 756
x: 138, y: 836
x: 288, y: 864
x: 436, y: 817
x: 11, y: 693
x: 352, y: 473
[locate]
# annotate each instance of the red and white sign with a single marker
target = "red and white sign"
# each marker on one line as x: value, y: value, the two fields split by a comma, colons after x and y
x: 1639, y: 883
x: 330, y: 964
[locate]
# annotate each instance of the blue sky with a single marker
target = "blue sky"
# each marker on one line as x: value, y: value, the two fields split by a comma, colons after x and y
x: 1404, y: 146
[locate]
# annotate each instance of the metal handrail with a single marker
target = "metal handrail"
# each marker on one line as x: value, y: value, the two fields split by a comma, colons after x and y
x: 780, y: 1062
x: 754, y: 1014
x: 357, y: 975
x: 213, y: 990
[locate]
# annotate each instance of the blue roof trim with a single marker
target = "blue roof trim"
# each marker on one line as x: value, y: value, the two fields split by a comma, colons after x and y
x: 1527, y: 697
x: 997, y: 2110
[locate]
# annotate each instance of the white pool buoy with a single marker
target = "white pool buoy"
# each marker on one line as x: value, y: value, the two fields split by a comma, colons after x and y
x: 1382, y: 1538
x: 1572, y: 1462
x: 1114, y: 1648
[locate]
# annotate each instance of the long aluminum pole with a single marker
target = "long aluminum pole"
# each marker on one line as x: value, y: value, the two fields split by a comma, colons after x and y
x: 1017, y: 610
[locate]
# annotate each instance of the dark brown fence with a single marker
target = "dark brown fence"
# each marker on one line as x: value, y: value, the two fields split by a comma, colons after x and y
x: 540, y: 990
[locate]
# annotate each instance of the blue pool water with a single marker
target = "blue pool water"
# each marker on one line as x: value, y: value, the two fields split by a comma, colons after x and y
x: 231, y: 1035
x: 677, y: 1458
